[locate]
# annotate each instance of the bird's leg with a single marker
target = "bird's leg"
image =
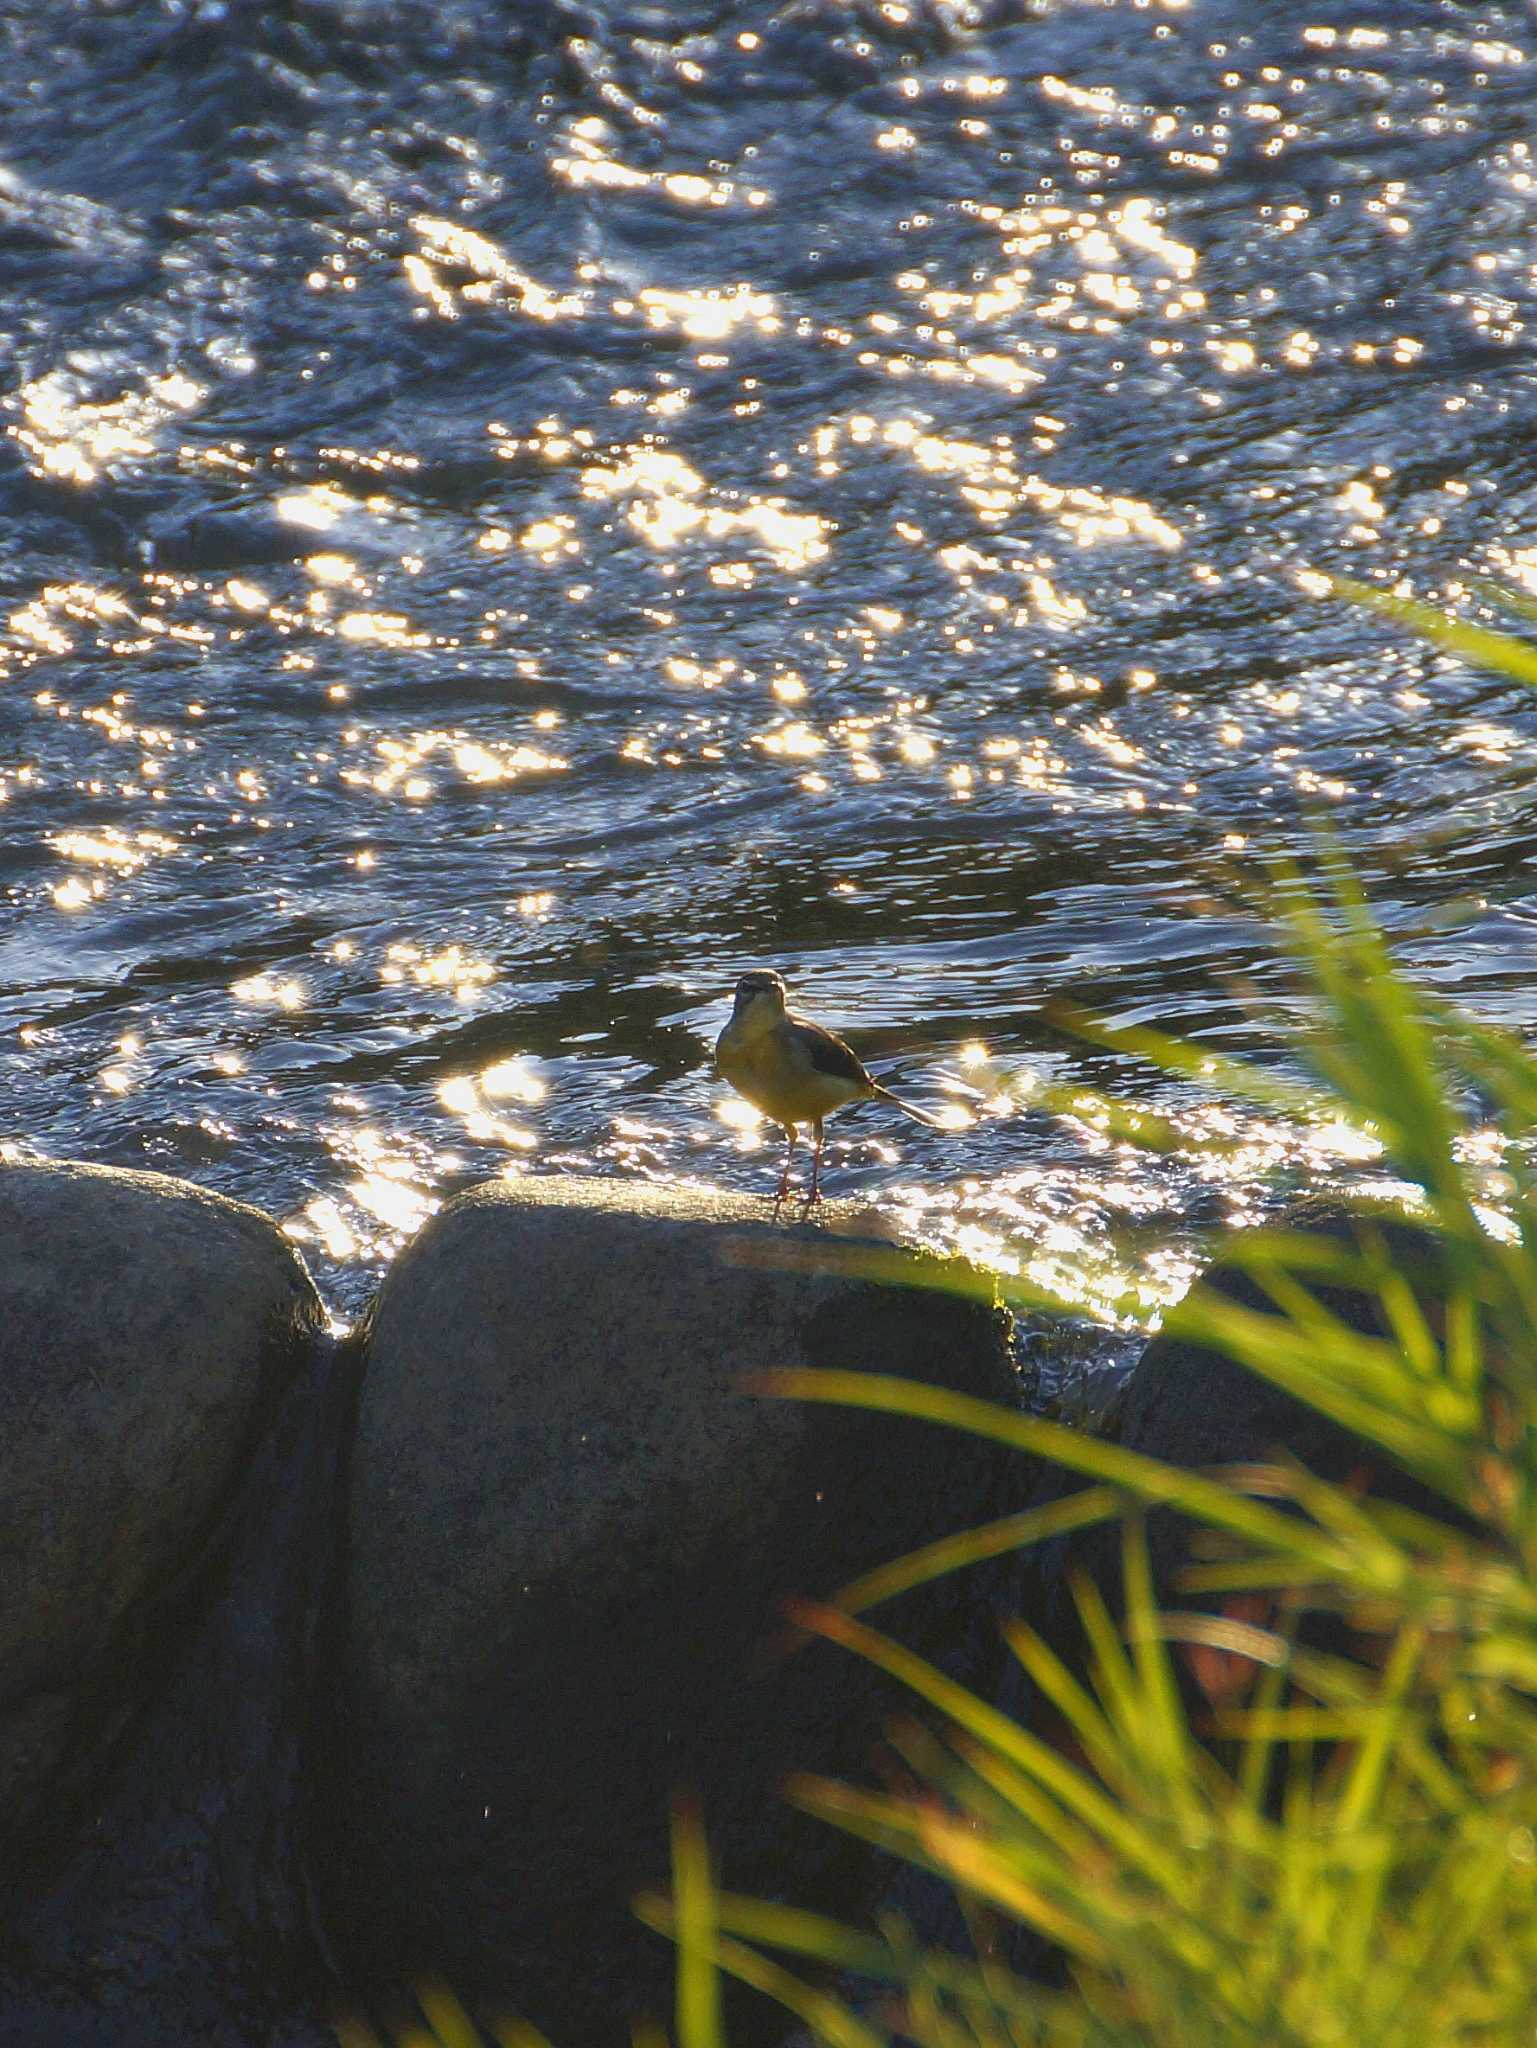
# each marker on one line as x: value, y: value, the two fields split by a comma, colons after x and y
x: 816, y: 1166
x: 784, y: 1178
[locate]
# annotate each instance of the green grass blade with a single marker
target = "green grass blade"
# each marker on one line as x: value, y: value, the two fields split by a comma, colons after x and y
x: 1143, y: 1478
x: 1503, y: 652
x: 698, y: 2017
x: 974, y: 1546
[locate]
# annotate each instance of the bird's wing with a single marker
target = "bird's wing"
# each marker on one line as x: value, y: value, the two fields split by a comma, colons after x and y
x: 827, y: 1053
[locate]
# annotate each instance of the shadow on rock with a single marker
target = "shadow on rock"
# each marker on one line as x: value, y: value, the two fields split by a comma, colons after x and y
x: 171, y: 1416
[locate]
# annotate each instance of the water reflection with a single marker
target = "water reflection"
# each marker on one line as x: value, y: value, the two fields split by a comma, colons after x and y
x: 545, y: 521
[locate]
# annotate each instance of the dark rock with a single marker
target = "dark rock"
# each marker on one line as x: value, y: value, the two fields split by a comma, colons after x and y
x: 210, y: 539
x: 147, y: 1333
x: 1192, y: 1406
x: 572, y: 1532
x: 1187, y: 1405
x: 182, y: 1914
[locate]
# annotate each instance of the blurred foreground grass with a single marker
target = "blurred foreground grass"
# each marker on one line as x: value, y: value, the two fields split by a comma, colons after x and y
x: 1345, y: 1853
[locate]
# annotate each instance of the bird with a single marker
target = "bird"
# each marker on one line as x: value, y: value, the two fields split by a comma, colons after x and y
x: 793, y: 1070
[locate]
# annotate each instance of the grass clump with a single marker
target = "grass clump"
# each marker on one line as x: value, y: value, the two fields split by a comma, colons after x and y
x: 1289, y: 1795
x: 1286, y: 1795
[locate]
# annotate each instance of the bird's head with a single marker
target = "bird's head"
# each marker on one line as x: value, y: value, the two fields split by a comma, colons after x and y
x: 760, y: 997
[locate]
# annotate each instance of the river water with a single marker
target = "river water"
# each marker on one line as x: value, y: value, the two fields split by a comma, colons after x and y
x: 511, y: 515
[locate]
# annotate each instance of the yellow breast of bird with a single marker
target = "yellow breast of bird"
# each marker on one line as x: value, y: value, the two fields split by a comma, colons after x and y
x: 775, y: 1074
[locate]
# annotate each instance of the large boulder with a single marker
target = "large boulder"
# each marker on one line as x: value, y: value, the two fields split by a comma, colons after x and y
x: 572, y: 1530
x: 181, y: 1914
x: 147, y: 1332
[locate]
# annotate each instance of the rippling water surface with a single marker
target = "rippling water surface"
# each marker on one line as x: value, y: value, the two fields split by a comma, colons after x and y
x: 509, y: 516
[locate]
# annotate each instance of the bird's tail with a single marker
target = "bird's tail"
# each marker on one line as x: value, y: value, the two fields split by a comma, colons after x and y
x: 919, y: 1116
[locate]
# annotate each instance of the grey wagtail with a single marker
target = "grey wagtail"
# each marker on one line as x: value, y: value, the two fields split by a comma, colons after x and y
x: 793, y: 1070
